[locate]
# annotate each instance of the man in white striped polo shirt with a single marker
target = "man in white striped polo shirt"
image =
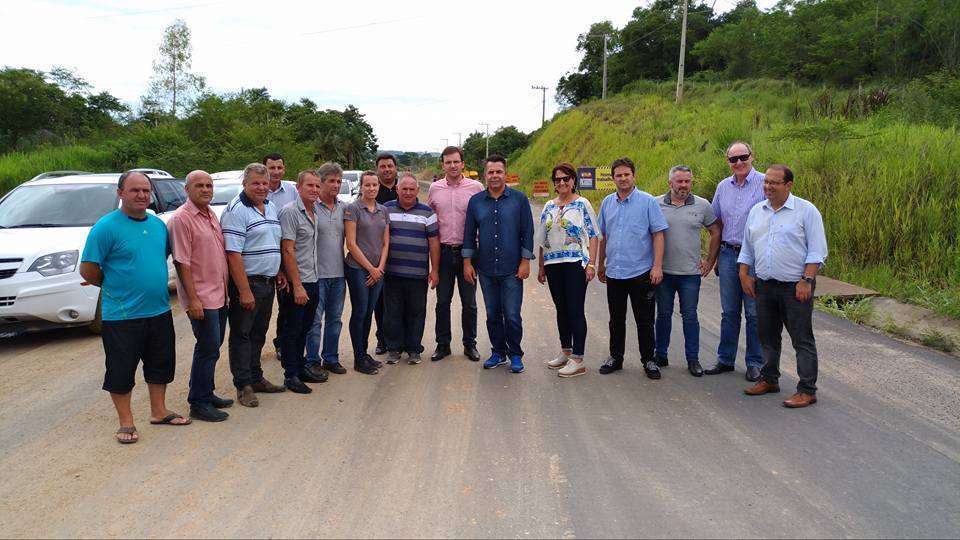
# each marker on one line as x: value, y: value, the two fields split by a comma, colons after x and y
x: 412, y: 263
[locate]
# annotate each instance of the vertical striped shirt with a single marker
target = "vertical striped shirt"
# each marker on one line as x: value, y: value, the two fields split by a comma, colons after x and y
x: 410, y: 231
x: 255, y: 236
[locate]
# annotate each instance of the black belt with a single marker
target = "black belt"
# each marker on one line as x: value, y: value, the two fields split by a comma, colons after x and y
x: 264, y: 279
x: 731, y: 246
x: 776, y: 282
x: 454, y: 247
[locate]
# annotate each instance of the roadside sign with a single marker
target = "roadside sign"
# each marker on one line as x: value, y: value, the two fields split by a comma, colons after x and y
x: 605, y: 179
x: 541, y: 188
x: 513, y: 179
x: 588, y: 178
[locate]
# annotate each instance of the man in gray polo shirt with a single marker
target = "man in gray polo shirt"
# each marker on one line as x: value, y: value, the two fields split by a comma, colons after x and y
x: 686, y: 214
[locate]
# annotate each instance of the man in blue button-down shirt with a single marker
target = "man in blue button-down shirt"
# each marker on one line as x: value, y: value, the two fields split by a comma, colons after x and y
x: 785, y: 244
x: 498, y: 246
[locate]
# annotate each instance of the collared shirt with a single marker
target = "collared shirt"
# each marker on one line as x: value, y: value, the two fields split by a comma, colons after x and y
x: 254, y: 235
x: 198, y: 243
x: 778, y: 243
x: 564, y: 232
x: 386, y: 194
x: 732, y: 203
x: 297, y: 225
x: 284, y: 195
x: 410, y: 233
x: 681, y: 252
x: 330, y: 240
x: 497, y: 233
x: 450, y: 204
x: 628, y: 225
x: 371, y: 231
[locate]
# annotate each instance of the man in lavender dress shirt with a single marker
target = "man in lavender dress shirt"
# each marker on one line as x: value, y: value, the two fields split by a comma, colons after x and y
x: 732, y: 201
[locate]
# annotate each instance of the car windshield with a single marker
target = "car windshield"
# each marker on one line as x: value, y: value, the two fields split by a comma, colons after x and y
x: 57, y: 205
x: 224, y: 193
x: 345, y: 188
x: 169, y: 194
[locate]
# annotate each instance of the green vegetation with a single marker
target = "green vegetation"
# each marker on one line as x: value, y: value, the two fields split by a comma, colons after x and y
x: 15, y: 167
x: 857, y: 311
x: 938, y: 340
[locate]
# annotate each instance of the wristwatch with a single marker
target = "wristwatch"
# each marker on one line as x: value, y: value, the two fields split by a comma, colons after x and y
x: 810, y: 280
x: 590, y: 265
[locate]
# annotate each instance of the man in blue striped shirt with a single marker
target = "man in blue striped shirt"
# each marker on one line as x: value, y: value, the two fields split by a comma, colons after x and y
x: 412, y: 263
x: 251, y: 237
x: 785, y: 244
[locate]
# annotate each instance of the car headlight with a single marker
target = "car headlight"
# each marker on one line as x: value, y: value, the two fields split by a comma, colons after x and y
x: 62, y: 262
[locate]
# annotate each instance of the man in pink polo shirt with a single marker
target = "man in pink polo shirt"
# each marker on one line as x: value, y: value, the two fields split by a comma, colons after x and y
x: 201, y: 262
x: 449, y: 197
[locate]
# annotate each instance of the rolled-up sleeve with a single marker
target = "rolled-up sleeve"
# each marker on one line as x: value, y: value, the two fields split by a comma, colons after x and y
x: 816, y: 236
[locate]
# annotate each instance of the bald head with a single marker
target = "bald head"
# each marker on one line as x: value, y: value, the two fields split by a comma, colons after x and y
x: 199, y: 189
x: 193, y: 176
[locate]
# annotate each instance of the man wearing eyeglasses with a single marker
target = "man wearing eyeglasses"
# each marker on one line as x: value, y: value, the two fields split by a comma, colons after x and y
x: 732, y: 201
x: 784, y: 243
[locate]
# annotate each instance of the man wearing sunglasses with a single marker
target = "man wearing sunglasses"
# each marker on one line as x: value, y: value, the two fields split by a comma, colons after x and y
x: 732, y: 201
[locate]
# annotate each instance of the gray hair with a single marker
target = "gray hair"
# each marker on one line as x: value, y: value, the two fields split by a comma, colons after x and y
x: 329, y: 168
x: 305, y: 173
x: 678, y: 168
x: 734, y: 143
x: 254, y: 169
x: 408, y: 174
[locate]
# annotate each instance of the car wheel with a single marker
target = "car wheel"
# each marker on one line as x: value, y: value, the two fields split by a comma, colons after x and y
x: 97, y: 324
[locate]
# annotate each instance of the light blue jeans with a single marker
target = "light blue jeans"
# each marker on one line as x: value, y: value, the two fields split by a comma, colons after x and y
x: 732, y: 300
x: 327, y: 323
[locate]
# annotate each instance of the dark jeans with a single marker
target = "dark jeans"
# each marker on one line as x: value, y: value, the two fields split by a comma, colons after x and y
x: 732, y: 300
x: 209, y: 332
x: 281, y: 322
x: 378, y: 312
x: 688, y: 289
x: 405, y: 300
x: 297, y: 322
x: 326, y: 324
x: 362, y: 301
x: 777, y: 306
x: 248, y: 330
x: 568, y: 287
x: 450, y: 270
x: 503, y: 297
x: 640, y: 292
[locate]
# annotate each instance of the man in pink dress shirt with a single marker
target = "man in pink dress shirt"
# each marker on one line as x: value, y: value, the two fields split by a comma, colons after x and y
x: 201, y: 262
x: 448, y: 197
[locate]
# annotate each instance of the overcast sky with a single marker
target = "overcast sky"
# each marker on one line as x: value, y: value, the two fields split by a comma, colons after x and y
x: 420, y: 71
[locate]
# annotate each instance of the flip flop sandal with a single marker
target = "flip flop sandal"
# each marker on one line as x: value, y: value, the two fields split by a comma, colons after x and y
x: 128, y: 431
x: 168, y: 420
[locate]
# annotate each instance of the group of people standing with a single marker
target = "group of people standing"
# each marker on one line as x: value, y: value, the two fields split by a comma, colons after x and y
x: 286, y: 242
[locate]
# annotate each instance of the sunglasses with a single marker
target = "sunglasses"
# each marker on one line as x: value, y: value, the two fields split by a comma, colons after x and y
x: 734, y: 159
x: 561, y: 178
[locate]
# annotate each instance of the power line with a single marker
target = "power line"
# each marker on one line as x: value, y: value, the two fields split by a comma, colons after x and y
x: 375, y: 23
x: 152, y: 11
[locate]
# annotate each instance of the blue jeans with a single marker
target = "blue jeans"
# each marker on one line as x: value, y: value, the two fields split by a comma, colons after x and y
x: 688, y: 289
x: 503, y: 296
x: 732, y: 299
x: 326, y: 323
x: 209, y: 332
x: 363, y: 300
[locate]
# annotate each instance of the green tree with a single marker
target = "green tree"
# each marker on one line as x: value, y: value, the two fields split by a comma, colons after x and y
x: 173, y: 85
x: 587, y: 82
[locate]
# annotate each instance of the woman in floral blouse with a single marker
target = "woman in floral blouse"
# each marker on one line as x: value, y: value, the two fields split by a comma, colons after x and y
x: 568, y: 237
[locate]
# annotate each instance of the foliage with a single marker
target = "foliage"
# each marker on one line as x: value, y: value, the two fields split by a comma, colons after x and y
x: 858, y: 311
x: 505, y: 141
x: 173, y: 85
x: 16, y: 167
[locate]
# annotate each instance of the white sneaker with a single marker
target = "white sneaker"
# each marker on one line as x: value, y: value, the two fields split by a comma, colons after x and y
x: 573, y: 368
x: 559, y: 361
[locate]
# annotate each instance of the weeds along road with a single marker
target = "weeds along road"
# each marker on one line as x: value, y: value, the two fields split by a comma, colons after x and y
x: 448, y: 449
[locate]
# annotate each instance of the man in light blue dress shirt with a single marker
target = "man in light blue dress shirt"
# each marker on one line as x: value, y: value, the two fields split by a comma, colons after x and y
x: 784, y: 243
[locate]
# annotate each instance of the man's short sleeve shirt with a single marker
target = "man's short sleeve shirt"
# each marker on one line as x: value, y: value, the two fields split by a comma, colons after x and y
x: 628, y: 225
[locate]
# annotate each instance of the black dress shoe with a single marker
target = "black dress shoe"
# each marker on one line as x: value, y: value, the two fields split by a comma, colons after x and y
x: 694, y: 368
x: 471, y: 352
x: 207, y: 413
x: 661, y: 361
x: 373, y: 361
x: 753, y: 373
x: 611, y: 365
x: 381, y: 349
x: 295, y: 385
x: 307, y: 375
x: 363, y: 365
x: 317, y: 372
x: 652, y: 370
x: 718, y: 369
x: 335, y: 368
x: 221, y: 403
x: 442, y: 352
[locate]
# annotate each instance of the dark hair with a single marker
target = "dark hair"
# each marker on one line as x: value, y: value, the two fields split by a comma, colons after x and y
x: 128, y: 174
x: 274, y: 156
x: 451, y: 150
x: 570, y: 171
x: 623, y: 162
x: 495, y: 158
x: 386, y: 155
x: 787, y: 173
x: 365, y: 174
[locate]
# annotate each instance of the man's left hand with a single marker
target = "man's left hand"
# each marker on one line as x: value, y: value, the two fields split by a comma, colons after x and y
x: 656, y: 275
x: 804, y: 291
x: 433, y: 278
x: 282, y: 283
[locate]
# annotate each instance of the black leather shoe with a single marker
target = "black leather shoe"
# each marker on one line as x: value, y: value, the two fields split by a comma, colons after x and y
x: 381, y: 349
x: 317, y: 372
x: 307, y: 375
x: 365, y: 366
x: 695, y: 368
x: 471, y: 352
x: 221, y: 403
x: 753, y: 374
x: 661, y: 361
x: 651, y: 369
x: 207, y: 413
x: 611, y: 365
x: 718, y: 369
x: 442, y: 352
x: 295, y: 385
x: 335, y: 368
x: 373, y: 362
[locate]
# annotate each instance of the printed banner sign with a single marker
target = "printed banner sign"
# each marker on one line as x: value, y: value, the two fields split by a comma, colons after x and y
x: 588, y: 177
x: 513, y: 179
x: 541, y: 188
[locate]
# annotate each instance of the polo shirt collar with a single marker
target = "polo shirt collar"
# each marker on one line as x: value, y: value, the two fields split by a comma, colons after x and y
x: 686, y: 202
x: 249, y: 204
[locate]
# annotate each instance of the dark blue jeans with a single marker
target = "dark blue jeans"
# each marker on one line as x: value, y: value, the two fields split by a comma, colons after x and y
x: 327, y: 323
x: 732, y: 300
x: 363, y: 300
x: 209, y: 332
x: 297, y: 321
x: 688, y: 289
x: 503, y: 296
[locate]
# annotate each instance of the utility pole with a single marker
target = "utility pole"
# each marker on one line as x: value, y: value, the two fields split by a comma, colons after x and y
x: 543, y: 113
x: 683, y: 53
x: 459, y: 138
x: 487, y: 131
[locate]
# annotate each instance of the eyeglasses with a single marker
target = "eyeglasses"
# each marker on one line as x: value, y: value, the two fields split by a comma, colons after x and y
x: 774, y: 182
x: 561, y: 179
x: 734, y: 159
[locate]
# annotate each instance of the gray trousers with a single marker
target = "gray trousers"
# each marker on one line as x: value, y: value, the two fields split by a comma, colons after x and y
x: 778, y: 307
x: 248, y: 330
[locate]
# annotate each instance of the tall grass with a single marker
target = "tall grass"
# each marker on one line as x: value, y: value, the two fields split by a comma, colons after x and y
x: 18, y: 167
x: 888, y: 190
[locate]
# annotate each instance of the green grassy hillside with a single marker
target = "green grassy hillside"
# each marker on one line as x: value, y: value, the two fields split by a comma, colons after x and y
x: 888, y: 189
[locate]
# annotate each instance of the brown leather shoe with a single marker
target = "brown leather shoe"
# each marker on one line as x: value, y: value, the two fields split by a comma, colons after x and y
x: 761, y: 388
x: 246, y: 397
x: 800, y: 400
x: 267, y: 387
